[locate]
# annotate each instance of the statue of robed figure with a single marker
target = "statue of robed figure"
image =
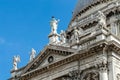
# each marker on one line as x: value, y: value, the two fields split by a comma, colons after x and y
x: 16, y: 59
x: 54, y: 25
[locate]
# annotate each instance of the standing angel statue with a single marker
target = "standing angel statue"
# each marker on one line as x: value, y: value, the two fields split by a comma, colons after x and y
x: 16, y: 59
x: 32, y: 55
x: 54, y: 24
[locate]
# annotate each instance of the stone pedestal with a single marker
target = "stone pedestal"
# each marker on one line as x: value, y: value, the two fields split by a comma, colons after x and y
x: 53, y: 38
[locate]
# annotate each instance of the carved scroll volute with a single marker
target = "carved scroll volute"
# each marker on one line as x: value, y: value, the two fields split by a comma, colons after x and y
x: 91, y: 76
x: 118, y: 76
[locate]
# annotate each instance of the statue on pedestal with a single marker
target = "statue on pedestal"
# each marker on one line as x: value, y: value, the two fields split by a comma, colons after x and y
x: 54, y: 37
x: 54, y: 24
x: 16, y: 59
x: 32, y: 55
x: 62, y: 37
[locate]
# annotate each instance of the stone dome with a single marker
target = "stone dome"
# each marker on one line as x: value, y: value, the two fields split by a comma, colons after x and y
x: 82, y: 4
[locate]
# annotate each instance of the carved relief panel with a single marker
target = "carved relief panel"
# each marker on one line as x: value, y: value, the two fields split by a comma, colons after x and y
x: 90, y: 75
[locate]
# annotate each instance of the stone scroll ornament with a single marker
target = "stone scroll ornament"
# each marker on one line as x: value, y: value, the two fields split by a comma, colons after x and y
x: 16, y: 59
x: 118, y: 76
x: 91, y: 76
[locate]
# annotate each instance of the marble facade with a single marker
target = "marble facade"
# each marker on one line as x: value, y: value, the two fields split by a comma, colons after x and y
x: 91, y: 50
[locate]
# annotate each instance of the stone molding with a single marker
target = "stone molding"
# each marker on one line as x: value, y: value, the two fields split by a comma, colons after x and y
x: 67, y: 60
x: 93, y: 19
x: 102, y: 66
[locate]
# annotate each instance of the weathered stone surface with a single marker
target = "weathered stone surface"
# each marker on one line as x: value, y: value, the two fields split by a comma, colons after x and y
x: 91, y: 50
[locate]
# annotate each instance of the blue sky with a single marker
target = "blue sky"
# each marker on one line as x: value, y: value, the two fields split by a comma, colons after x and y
x: 24, y: 24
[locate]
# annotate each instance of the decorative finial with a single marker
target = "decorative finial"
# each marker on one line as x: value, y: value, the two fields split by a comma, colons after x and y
x: 16, y: 59
x: 32, y: 55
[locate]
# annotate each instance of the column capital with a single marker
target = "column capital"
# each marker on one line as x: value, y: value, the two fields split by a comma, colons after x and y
x: 102, y: 67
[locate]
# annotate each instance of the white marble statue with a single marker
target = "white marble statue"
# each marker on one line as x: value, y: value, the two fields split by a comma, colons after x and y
x: 76, y: 35
x: 54, y: 25
x: 16, y: 59
x: 32, y: 55
x: 102, y: 19
x: 54, y: 36
x: 62, y: 37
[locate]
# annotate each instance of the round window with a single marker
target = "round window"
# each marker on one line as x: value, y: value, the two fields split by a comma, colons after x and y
x: 50, y: 59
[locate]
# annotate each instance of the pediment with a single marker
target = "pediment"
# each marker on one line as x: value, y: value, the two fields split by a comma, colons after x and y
x: 48, y: 55
x: 50, y: 59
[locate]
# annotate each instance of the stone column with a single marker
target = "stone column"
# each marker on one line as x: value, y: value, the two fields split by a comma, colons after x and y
x: 103, y: 71
x: 102, y: 66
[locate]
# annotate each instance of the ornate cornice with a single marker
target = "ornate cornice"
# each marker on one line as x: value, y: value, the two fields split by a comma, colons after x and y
x: 64, y: 51
x: 114, y: 46
x: 82, y: 54
x: 76, y: 56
